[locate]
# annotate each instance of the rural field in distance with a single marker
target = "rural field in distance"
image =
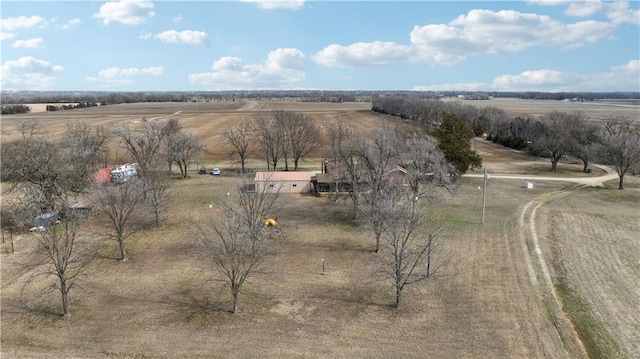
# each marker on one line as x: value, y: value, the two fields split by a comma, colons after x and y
x: 499, y: 294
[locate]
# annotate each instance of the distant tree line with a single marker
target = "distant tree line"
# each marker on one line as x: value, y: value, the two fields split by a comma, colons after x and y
x: 109, y: 98
x: 15, y: 109
x: 70, y: 106
x: 611, y: 140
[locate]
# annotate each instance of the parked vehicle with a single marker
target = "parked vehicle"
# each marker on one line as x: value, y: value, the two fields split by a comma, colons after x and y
x: 44, y: 221
x: 215, y: 171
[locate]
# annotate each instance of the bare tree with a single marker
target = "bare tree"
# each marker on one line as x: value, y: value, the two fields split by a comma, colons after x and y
x: 379, y: 204
x: 168, y: 132
x: 397, y: 167
x: 425, y: 163
x: 235, y: 239
x: 620, y: 146
x: 407, y: 244
x: 144, y: 146
x: 269, y: 139
x: 48, y: 169
x: 86, y: 147
x: 281, y: 122
x: 158, y: 192
x: 346, y: 150
x: 583, y: 138
x: 121, y: 205
x: 63, y: 254
x: 381, y: 156
x: 304, y: 138
x: 185, y: 148
x: 240, y: 138
x: 300, y: 133
x: 555, y: 140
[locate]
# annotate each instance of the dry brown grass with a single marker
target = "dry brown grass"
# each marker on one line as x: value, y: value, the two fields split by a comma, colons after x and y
x: 160, y: 305
x: 596, y: 251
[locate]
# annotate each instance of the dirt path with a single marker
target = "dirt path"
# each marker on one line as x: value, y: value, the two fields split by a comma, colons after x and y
x: 540, y: 274
x: 597, y: 257
x: 596, y: 181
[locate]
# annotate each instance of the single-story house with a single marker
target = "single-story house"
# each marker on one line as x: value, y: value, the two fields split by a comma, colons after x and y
x: 335, y: 179
x: 283, y: 181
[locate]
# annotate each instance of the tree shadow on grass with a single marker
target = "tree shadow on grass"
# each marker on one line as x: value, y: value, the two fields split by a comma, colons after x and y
x: 195, y: 305
x: 39, y: 302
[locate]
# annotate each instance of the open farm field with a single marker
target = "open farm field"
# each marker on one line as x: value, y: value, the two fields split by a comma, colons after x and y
x: 490, y: 298
x: 537, y: 108
x: 206, y: 120
x: 595, y: 253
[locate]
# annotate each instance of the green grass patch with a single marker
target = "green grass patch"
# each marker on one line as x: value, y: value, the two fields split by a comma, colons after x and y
x: 597, y: 341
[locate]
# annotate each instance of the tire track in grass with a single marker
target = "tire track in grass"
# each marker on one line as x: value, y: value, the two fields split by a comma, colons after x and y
x: 540, y: 276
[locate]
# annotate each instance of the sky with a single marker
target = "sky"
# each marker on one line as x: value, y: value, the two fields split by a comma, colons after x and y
x: 143, y: 45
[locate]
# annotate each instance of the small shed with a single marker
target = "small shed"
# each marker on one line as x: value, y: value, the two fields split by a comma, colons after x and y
x: 528, y: 185
x: 283, y: 181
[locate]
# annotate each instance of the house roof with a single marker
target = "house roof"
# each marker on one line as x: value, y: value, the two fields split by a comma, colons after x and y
x: 331, y: 177
x: 397, y: 169
x: 282, y: 176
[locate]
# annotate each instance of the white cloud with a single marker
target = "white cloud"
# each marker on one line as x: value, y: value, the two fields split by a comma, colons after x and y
x: 476, y: 33
x: 144, y: 35
x: 282, y: 68
x: 177, y: 19
x: 277, y: 4
x: 584, y: 8
x: 616, y: 11
x: 128, y: 12
x: 6, y: 35
x: 117, y: 72
x: 71, y: 23
x: 363, y: 54
x: 28, y: 44
x: 469, y: 86
x: 511, y: 31
x: 619, y: 13
x: 67, y: 25
x: 624, y: 77
x: 14, y: 23
x: 29, y: 73
x: 631, y: 66
x: 188, y: 37
x: 619, y: 78
x: 530, y: 80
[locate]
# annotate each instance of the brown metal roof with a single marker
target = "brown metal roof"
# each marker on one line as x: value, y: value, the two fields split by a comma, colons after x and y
x: 282, y: 176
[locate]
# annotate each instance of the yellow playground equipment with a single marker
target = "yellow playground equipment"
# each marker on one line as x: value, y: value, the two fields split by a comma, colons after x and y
x: 270, y: 222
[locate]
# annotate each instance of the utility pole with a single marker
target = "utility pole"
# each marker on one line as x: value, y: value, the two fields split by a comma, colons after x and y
x: 484, y: 191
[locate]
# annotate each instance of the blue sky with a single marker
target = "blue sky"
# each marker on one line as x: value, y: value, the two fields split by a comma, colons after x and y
x: 141, y: 45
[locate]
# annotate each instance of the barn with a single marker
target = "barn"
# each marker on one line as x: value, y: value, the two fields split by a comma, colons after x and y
x: 284, y: 182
